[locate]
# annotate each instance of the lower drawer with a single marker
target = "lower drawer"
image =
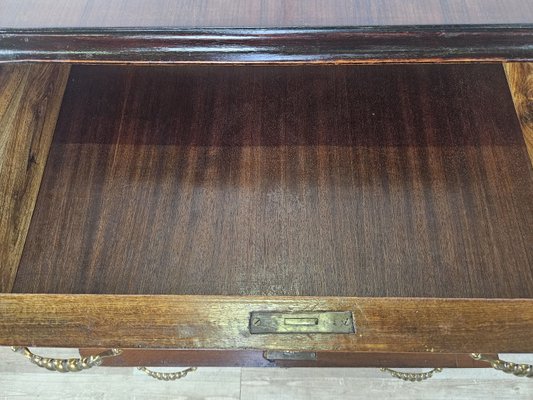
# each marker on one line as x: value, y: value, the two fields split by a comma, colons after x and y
x: 145, y: 359
x: 256, y: 358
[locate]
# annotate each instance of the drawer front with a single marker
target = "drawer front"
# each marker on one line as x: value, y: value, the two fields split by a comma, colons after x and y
x: 223, y: 323
x: 257, y: 358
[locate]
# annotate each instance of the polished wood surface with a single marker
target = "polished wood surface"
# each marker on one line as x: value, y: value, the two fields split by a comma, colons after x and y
x: 30, y: 98
x: 258, y: 13
x: 520, y: 77
x: 251, y: 358
x: 219, y: 322
x: 352, y: 45
x: 340, y: 181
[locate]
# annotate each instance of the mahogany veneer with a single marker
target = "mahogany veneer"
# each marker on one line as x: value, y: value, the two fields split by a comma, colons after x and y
x: 290, y: 181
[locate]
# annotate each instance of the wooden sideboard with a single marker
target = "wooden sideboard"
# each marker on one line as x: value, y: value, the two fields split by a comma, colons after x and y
x: 331, y: 183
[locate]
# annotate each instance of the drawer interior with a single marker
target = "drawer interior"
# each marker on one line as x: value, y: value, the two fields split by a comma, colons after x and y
x: 380, y: 181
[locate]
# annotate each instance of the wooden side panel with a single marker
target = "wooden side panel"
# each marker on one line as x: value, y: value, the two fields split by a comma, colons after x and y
x: 30, y: 98
x: 520, y: 78
x: 254, y: 358
x: 216, y: 322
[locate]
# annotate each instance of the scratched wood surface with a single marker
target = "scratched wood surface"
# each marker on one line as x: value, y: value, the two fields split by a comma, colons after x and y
x: 340, y: 181
x: 30, y: 98
x: 258, y: 13
x: 222, y: 322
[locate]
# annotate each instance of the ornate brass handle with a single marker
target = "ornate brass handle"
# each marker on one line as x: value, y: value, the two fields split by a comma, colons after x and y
x: 412, y: 376
x: 523, y: 370
x: 68, y: 364
x: 167, y: 376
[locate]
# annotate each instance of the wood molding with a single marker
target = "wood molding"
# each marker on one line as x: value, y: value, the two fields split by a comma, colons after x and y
x: 520, y: 78
x: 216, y: 322
x: 30, y: 99
x: 367, y: 44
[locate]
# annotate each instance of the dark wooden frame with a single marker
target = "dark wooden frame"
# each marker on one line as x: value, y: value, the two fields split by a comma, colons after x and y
x: 203, y: 322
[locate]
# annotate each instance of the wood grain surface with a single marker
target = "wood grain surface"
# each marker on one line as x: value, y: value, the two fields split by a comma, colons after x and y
x: 259, y: 13
x: 30, y: 98
x: 218, y: 322
x: 520, y: 77
x: 340, y: 181
x: 251, y: 358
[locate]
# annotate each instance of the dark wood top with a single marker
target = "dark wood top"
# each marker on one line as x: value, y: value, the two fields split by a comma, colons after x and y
x: 266, y: 31
x: 406, y: 181
x: 259, y: 13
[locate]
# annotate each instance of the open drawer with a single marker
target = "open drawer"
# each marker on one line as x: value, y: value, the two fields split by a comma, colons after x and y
x: 298, y: 211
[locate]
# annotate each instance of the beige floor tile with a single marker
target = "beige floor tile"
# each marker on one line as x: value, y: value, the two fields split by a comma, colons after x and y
x: 19, y: 379
x: 354, y: 384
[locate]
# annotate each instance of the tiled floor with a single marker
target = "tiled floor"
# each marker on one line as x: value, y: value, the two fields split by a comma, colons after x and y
x: 21, y: 380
